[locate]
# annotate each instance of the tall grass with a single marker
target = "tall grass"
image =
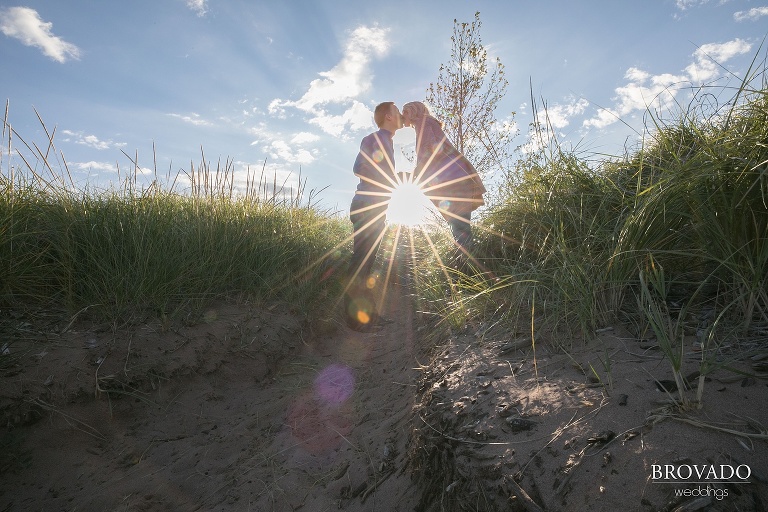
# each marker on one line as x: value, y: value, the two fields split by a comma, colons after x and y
x: 562, y: 221
x: 156, y: 247
x: 575, y: 232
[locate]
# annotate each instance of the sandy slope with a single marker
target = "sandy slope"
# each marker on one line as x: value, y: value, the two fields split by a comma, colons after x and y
x: 246, y: 408
x: 242, y: 409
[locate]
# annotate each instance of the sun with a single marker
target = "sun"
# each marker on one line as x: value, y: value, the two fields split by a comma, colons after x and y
x: 408, y: 206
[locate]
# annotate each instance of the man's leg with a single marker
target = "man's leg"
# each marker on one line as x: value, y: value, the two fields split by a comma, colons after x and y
x: 359, y: 303
x: 365, y: 242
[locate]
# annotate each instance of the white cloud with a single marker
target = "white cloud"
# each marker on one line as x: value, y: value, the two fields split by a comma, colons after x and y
x: 559, y: 115
x: 753, y: 14
x: 687, y: 4
x: 356, y: 117
x: 269, y: 181
x: 647, y: 91
x: 261, y: 131
x: 338, y: 88
x: 193, y: 119
x: 91, y: 141
x: 94, y: 166
x: 290, y: 149
x: 25, y: 24
x: 200, y: 7
x: 350, y: 77
x: 644, y: 90
x: 304, y: 137
x: 281, y: 150
x: 275, y: 108
x: 94, y: 142
x: 709, y: 56
x: 507, y: 126
x: 636, y: 75
x: 604, y: 117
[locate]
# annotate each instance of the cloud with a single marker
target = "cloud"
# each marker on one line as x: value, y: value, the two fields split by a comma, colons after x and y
x: 644, y: 90
x: 274, y: 181
x: 261, y: 131
x: 604, y: 117
x: 753, y: 14
x: 94, y: 166
x: 356, y: 117
x: 331, y: 101
x: 276, y: 108
x: 559, y: 115
x: 269, y: 181
x: 708, y: 57
x: 281, y: 150
x: 304, y: 137
x: 350, y: 77
x: 90, y: 140
x: 200, y: 7
x: 193, y: 119
x: 25, y: 24
x: 687, y: 4
x: 284, y: 149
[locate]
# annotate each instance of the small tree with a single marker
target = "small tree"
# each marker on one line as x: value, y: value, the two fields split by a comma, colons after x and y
x: 465, y: 98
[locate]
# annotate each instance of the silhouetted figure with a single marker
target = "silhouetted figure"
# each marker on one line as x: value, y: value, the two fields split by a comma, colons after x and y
x: 447, y: 178
x: 375, y: 166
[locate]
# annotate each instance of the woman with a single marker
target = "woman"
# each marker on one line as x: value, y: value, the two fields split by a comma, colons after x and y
x: 445, y: 176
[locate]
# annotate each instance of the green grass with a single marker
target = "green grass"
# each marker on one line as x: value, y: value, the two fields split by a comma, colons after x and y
x: 157, y: 249
x: 694, y: 196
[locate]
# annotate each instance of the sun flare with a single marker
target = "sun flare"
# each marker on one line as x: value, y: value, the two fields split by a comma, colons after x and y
x: 408, y: 206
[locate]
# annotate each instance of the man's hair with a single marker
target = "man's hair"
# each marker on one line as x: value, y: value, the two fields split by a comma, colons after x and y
x: 382, y: 109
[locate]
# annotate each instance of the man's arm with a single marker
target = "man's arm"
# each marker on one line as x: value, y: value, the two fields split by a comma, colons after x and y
x: 374, y: 162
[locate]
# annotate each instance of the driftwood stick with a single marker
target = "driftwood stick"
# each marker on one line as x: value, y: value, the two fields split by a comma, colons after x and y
x: 527, y: 501
x: 375, y: 485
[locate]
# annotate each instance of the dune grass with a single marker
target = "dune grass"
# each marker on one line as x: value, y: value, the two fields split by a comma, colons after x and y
x: 671, y: 237
x: 157, y: 248
x: 694, y: 196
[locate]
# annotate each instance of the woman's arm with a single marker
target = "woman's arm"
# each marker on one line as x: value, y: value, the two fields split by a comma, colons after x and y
x: 429, y: 143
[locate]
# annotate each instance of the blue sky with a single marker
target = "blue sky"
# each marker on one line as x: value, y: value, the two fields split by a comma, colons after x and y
x: 294, y: 83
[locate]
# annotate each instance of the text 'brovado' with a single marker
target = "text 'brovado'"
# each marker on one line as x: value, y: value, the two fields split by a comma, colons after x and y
x: 700, y: 473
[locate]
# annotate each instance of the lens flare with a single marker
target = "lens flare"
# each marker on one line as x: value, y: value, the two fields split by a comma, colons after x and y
x: 360, y: 309
x: 316, y: 425
x: 363, y: 317
x: 335, y: 384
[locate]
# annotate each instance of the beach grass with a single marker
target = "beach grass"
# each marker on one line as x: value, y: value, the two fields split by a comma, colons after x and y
x: 158, y: 247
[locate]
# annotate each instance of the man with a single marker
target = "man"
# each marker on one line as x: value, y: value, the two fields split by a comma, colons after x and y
x: 375, y: 166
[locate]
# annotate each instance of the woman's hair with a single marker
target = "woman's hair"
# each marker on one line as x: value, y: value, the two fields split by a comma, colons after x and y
x: 416, y: 110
